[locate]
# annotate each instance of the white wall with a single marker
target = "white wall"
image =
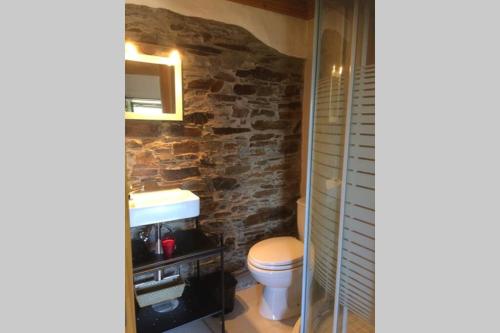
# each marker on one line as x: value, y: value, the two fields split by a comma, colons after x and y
x: 284, y: 33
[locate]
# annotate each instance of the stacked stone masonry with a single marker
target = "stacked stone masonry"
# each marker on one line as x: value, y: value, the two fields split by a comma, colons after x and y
x: 238, y: 147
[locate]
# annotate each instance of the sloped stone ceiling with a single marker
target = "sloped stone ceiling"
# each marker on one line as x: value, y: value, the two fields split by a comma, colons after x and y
x: 238, y: 147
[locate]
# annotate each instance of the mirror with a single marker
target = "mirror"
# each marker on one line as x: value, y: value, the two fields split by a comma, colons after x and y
x: 153, y: 86
x: 149, y: 88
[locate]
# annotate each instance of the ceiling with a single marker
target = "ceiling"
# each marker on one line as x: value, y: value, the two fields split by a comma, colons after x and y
x: 298, y: 8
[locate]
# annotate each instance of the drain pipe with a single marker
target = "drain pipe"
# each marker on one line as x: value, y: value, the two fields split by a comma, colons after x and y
x: 159, y: 250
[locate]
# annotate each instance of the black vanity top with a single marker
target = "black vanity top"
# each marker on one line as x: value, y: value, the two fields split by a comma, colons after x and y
x: 190, y: 245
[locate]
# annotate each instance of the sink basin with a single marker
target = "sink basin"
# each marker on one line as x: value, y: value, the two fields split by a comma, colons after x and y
x: 162, y: 206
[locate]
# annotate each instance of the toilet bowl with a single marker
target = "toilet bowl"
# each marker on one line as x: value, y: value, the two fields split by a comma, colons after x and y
x: 276, y: 263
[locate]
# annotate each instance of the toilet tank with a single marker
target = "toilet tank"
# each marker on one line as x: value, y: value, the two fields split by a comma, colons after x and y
x: 301, y: 217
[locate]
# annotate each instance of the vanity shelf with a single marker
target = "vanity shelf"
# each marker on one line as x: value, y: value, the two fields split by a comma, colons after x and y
x: 194, y: 304
x: 192, y: 244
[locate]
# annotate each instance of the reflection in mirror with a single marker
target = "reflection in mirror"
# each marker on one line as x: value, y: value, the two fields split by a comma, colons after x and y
x: 153, y: 85
x: 149, y: 88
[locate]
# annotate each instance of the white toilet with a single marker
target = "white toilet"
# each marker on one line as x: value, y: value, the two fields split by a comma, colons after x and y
x: 276, y: 263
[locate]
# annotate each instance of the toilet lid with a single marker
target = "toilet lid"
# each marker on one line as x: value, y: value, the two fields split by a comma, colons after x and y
x: 274, y: 267
x: 277, y: 251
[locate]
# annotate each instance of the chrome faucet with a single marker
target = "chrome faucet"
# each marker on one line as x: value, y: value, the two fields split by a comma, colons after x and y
x: 132, y: 191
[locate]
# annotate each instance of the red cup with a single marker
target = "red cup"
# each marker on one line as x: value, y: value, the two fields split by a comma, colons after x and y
x: 168, y: 247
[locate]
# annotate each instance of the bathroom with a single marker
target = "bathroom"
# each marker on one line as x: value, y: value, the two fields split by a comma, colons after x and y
x: 247, y: 83
x: 234, y: 190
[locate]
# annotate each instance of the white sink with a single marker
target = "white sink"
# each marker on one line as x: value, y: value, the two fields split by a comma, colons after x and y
x: 162, y: 206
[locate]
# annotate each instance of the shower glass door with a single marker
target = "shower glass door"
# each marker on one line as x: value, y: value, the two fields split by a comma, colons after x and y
x: 339, y: 270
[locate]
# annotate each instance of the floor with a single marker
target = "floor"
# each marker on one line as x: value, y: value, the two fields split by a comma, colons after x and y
x: 195, y: 327
x: 355, y: 324
x: 245, y: 318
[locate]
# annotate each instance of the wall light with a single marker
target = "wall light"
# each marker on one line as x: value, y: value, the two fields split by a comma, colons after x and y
x: 131, y: 53
x: 335, y: 72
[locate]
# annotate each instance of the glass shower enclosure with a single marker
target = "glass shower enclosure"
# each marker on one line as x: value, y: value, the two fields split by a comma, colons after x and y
x: 339, y: 270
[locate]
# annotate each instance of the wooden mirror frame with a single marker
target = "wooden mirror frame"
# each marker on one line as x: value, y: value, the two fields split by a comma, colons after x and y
x: 150, y: 54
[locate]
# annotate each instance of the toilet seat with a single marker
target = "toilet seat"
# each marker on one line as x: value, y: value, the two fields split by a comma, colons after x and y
x: 271, y: 267
x: 278, y: 253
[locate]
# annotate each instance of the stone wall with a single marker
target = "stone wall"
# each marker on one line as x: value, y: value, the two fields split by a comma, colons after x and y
x: 238, y: 147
